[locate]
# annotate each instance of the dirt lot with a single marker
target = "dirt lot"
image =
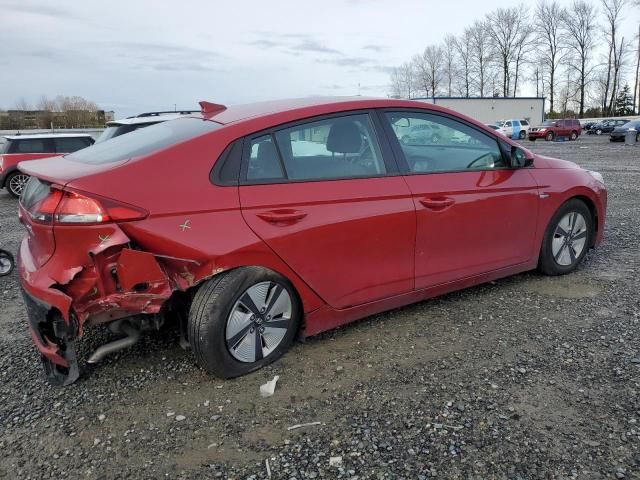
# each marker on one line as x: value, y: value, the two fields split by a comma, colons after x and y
x: 528, y: 377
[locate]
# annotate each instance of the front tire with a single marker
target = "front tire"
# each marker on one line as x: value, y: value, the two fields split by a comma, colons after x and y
x: 567, y: 238
x: 549, y: 137
x: 16, y: 182
x: 243, y: 320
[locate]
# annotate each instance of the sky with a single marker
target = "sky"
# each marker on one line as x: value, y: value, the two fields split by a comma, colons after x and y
x: 140, y: 55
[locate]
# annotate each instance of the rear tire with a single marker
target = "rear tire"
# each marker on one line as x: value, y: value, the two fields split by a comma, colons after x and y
x: 567, y: 238
x: 599, y: 131
x: 522, y: 135
x: 16, y: 182
x: 230, y: 317
x: 574, y: 135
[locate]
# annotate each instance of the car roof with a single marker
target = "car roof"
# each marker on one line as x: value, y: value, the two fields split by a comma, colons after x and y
x: 37, y: 136
x: 153, y: 117
x: 299, y: 108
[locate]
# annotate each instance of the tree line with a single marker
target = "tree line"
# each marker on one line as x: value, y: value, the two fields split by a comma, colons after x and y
x: 557, y: 50
x: 59, y: 112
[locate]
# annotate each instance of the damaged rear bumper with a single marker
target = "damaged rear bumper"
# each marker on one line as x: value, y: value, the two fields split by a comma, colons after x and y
x: 55, y: 340
x: 101, y: 280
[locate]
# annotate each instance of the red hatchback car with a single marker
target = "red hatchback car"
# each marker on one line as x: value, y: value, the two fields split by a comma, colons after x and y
x: 252, y: 224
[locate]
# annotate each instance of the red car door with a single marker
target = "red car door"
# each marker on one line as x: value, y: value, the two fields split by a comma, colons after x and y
x: 320, y: 195
x: 475, y: 214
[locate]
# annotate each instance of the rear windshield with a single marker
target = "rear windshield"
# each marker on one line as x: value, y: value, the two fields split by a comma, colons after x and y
x: 144, y: 141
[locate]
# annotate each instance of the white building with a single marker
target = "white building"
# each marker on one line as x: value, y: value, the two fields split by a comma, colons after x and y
x: 491, y: 109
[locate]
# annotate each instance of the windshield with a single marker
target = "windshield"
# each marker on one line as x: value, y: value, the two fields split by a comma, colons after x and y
x: 4, y: 145
x: 633, y: 124
x: 144, y: 141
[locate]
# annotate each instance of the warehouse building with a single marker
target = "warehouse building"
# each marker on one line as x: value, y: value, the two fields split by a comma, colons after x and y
x: 491, y: 109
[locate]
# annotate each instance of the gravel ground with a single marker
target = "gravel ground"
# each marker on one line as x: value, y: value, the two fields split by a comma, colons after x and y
x: 525, y: 378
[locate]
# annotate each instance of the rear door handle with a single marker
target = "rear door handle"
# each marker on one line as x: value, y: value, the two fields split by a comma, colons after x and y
x: 283, y: 215
x: 439, y: 203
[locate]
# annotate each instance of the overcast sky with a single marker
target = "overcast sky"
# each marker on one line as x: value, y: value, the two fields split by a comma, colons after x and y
x: 140, y: 55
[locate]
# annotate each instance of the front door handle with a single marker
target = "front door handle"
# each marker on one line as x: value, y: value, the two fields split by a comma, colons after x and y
x: 437, y: 203
x: 284, y: 215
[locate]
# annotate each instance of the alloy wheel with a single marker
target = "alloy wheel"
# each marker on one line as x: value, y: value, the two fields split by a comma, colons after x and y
x: 569, y: 239
x: 17, y: 183
x: 258, y: 322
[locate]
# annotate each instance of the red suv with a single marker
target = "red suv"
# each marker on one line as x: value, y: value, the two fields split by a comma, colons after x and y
x: 250, y: 225
x: 552, y: 129
x: 18, y: 148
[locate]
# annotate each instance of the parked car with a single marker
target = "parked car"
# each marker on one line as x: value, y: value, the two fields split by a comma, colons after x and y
x: 552, y: 129
x: 606, y: 126
x: 309, y: 214
x: 116, y: 128
x: 587, y: 126
x: 18, y: 148
x: 618, y: 134
x: 514, y: 128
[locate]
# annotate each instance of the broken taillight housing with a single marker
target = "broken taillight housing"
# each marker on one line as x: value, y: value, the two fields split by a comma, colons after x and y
x: 68, y: 207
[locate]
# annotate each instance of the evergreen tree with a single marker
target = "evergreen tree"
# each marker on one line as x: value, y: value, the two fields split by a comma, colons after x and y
x: 624, y: 101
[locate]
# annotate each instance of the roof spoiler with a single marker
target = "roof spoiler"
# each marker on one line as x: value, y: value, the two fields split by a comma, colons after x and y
x: 209, y: 108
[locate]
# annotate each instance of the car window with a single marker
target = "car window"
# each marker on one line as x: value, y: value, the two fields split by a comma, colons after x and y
x: 339, y: 147
x: 144, y: 141
x: 4, y: 145
x: 524, y: 122
x: 508, y: 124
x: 71, y: 144
x: 454, y: 146
x: 32, y: 145
x: 264, y: 161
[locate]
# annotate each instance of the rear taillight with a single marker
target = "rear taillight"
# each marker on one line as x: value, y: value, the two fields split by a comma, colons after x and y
x: 65, y: 207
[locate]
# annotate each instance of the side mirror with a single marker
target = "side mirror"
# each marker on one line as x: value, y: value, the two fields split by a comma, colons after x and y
x: 520, y: 158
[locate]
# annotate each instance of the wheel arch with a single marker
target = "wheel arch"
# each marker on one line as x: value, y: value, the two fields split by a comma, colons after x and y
x: 594, y: 214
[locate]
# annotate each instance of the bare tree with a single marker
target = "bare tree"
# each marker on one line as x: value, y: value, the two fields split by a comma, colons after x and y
x: 450, y: 62
x: 505, y: 25
x: 480, y: 55
x: 612, y: 10
x: 547, y: 24
x: 397, y: 84
x: 429, y: 69
x: 636, y: 84
x: 524, y: 44
x: 22, y: 104
x: 402, y: 81
x: 579, y: 27
x: 463, y: 46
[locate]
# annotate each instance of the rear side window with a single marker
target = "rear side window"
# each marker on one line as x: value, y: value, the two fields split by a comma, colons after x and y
x: 70, y: 144
x: 32, y: 145
x: 524, y: 122
x: 264, y: 161
x: 339, y: 147
x: 144, y: 141
x: 327, y: 149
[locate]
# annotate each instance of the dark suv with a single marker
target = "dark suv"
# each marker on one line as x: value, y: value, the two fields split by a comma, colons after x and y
x: 18, y: 148
x: 552, y: 129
